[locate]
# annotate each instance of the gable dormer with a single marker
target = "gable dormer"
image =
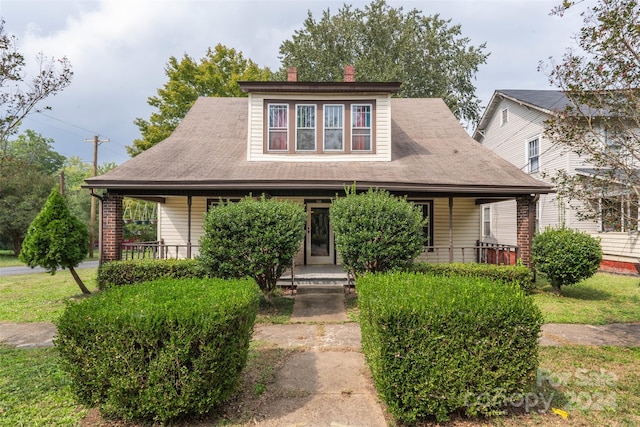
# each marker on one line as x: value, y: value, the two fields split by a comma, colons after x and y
x: 319, y: 121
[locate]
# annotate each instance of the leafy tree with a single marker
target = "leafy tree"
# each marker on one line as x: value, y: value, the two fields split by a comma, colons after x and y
x: 27, y: 173
x: 376, y: 231
x: 56, y: 239
x: 34, y: 149
x: 217, y: 74
x: 427, y: 54
x: 17, y: 97
x: 601, y: 79
x: 256, y: 238
x: 565, y: 255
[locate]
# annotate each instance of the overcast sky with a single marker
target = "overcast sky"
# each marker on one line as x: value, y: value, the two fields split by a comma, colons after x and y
x: 119, y: 49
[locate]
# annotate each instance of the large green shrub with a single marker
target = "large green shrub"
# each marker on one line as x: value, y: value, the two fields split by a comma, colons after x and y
x: 565, y: 255
x: 118, y: 273
x: 159, y: 350
x: 376, y: 231
x: 255, y: 238
x: 56, y: 239
x: 518, y: 275
x: 438, y: 345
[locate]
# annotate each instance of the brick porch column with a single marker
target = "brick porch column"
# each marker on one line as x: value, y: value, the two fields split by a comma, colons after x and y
x: 112, y: 223
x: 525, y: 223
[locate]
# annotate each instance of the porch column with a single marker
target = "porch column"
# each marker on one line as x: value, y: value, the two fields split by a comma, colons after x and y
x: 112, y: 224
x: 189, y: 202
x: 450, y: 229
x: 525, y: 223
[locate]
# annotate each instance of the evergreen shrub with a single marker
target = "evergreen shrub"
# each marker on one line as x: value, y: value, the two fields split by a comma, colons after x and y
x: 118, y: 273
x: 438, y: 345
x: 159, y: 350
x: 518, y: 275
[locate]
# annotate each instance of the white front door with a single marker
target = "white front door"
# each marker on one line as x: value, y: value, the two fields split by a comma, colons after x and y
x: 319, y: 244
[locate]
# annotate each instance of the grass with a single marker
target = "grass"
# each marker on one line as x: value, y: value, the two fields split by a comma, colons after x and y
x: 40, y: 297
x: 8, y: 259
x: 602, y: 299
x: 34, y: 391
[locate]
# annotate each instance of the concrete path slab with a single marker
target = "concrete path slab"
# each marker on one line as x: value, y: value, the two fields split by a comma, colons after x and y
x: 319, y: 304
x: 28, y: 335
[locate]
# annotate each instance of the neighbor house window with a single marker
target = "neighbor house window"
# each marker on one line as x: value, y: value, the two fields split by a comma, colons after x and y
x: 618, y: 214
x: 360, y: 127
x: 504, y: 117
x: 486, y: 221
x: 305, y: 127
x: 533, y: 154
x: 278, y: 127
x: 333, y: 127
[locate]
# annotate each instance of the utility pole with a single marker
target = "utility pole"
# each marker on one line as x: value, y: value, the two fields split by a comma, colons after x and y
x: 92, y: 218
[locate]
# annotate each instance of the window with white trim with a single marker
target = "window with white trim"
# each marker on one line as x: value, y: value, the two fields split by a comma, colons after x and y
x: 504, y: 116
x: 305, y: 127
x: 333, y: 127
x: 618, y: 214
x: 533, y: 154
x: 486, y: 221
x: 278, y: 133
x: 361, y: 127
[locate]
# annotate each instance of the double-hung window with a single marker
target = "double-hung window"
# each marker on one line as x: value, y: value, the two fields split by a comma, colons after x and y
x: 361, y: 127
x: 533, y: 154
x: 333, y: 127
x: 486, y: 221
x: 278, y: 127
x: 305, y: 127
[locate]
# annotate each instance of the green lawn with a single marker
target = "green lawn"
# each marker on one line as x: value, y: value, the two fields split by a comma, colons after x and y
x: 602, y: 299
x: 8, y: 259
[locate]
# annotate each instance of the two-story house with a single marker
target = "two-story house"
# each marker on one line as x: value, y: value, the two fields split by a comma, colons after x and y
x: 513, y: 127
x: 306, y: 141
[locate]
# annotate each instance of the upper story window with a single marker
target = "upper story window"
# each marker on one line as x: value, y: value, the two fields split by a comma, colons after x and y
x: 278, y: 127
x: 334, y: 127
x: 360, y: 127
x: 305, y: 127
x: 316, y: 127
x: 504, y: 117
x: 533, y: 154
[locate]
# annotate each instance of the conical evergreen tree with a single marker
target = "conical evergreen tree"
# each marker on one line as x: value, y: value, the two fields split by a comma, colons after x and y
x: 56, y: 239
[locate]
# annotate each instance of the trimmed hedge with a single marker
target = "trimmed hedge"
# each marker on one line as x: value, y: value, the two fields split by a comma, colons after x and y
x: 438, y: 345
x: 129, y: 272
x: 517, y: 275
x: 159, y: 350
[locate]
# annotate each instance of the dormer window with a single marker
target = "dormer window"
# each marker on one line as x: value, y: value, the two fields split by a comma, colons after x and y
x: 278, y: 127
x: 361, y: 127
x: 333, y: 127
x: 318, y: 127
x: 305, y: 127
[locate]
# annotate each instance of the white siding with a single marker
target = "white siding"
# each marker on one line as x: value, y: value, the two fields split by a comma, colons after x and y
x: 466, y: 230
x: 620, y: 246
x: 255, y: 151
x: 173, y: 221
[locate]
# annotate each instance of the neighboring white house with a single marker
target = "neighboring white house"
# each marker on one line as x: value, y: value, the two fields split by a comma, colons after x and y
x: 513, y: 127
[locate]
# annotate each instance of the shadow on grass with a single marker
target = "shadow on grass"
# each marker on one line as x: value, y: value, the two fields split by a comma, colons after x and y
x: 577, y: 291
x: 278, y: 313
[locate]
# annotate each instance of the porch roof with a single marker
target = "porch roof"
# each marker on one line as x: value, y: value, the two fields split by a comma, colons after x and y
x: 431, y: 153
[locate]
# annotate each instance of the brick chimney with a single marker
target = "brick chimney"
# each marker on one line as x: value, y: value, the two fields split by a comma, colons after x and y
x: 292, y: 74
x: 349, y: 73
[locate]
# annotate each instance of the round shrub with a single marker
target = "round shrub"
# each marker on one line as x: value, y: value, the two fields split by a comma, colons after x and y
x: 376, y: 231
x: 565, y: 255
x: 438, y: 345
x: 159, y: 350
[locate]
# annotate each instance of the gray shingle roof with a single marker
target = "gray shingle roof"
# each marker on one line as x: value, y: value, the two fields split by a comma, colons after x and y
x: 431, y: 152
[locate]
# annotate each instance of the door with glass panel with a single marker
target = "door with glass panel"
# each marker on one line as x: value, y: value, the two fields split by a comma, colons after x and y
x: 319, y: 240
